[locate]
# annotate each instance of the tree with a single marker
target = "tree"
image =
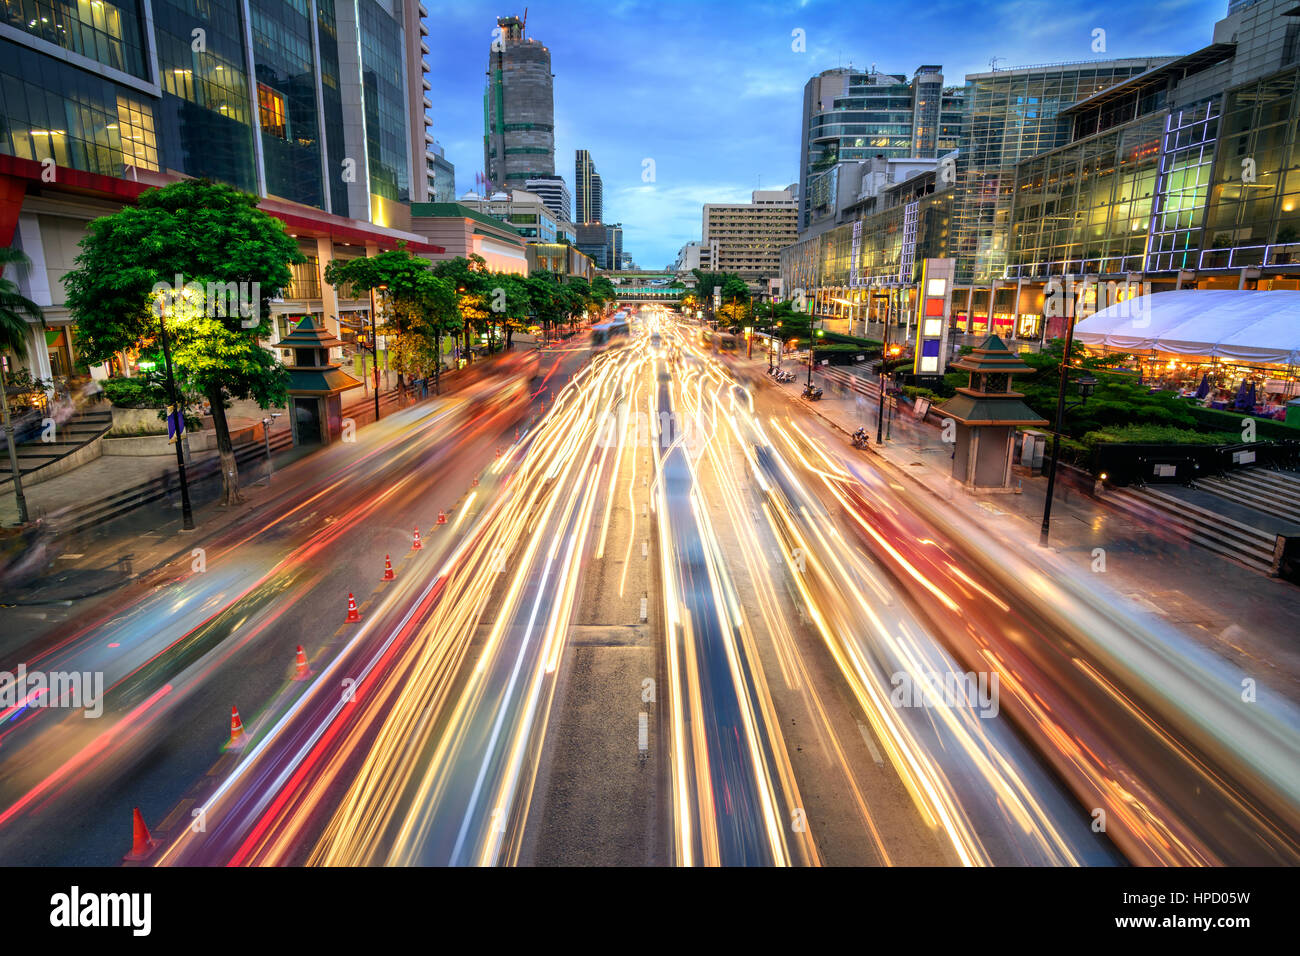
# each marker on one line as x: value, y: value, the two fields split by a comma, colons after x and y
x: 13, y: 332
x: 212, y: 236
x: 472, y: 282
x: 546, y: 300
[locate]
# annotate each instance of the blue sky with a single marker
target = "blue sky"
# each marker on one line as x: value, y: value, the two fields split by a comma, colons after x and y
x: 712, y: 91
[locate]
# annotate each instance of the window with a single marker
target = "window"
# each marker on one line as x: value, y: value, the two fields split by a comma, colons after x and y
x: 275, y: 119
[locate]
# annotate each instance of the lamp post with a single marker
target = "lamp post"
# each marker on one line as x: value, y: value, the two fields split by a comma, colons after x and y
x: 187, y: 512
x: 266, y: 433
x: 374, y: 341
x: 884, y: 357
x: 1086, y: 385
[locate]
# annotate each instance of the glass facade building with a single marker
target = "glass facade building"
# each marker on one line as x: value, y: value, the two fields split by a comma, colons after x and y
x: 1012, y: 115
x: 294, y: 99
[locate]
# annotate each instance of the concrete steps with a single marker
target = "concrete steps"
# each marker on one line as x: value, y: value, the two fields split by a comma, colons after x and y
x: 1274, y: 493
x: 128, y: 499
x: 1215, y: 532
x: 70, y: 437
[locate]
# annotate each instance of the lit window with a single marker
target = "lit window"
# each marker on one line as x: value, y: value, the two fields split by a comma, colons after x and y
x: 272, y: 111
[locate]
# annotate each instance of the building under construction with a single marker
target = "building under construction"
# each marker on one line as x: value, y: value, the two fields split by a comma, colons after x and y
x: 518, y: 108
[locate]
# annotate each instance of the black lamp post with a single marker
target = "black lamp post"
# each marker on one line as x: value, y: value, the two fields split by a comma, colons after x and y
x: 374, y: 341
x: 187, y: 512
x: 1087, y: 384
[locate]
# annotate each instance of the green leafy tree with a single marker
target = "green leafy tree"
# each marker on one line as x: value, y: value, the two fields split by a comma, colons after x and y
x: 206, y: 233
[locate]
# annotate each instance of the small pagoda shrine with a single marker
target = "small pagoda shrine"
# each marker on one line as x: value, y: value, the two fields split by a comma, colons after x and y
x: 987, y: 412
x: 315, y: 384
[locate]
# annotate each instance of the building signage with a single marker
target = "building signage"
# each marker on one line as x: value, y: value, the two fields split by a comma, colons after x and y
x: 933, y: 299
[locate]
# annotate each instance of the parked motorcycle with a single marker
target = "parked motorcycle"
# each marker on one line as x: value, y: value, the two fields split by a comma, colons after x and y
x: 812, y: 392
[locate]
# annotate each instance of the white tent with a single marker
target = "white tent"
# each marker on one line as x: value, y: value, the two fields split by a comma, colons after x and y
x: 1231, y: 324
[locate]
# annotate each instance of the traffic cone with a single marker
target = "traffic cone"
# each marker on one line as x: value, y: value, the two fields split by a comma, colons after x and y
x: 498, y: 452
x: 474, y: 484
x: 236, y: 729
x: 415, y: 545
x: 300, y: 669
x: 353, y: 616
x: 142, y: 844
x: 388, y: 568
x: 442, y: 517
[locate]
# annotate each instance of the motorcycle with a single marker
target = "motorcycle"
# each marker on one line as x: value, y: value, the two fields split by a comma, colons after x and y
x: 860, y: 439
x: 812, y: 392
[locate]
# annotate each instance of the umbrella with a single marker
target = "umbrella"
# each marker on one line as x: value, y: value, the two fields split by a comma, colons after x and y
x: 1250, y: 396
x: 1240, y: 401
x: 1204, y: 388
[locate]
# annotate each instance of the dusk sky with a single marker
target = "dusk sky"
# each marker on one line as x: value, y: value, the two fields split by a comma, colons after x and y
x: 712, y: 91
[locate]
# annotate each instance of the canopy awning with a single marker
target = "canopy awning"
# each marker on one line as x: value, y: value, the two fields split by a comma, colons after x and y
x: 1230, y: 324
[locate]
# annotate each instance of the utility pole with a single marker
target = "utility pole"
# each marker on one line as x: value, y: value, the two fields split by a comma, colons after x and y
x: 884, y: 357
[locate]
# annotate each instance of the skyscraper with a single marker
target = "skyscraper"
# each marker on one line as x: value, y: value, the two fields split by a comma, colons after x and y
x: 588, y: 189
x: 850, y: 115
x: 518, y: 108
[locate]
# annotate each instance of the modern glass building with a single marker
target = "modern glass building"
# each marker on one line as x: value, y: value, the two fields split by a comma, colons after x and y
x: 304, y: 100
x: 319, y: 107
x: 852, y: 115
x: 1187, y: 175
x: 1010, y: 115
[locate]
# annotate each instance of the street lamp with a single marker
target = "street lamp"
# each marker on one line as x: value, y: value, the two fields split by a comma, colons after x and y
x: 1087, y: 384
x: 374, y: 341
x: 884, y: 358
x: 177, y: 409
x: 266, y: 433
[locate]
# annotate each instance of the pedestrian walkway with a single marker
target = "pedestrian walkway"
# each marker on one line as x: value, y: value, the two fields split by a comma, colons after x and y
x: 1248, y: 618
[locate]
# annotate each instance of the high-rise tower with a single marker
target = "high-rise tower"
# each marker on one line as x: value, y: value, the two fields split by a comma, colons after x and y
x: 588, y: 189
x: 518, y: 108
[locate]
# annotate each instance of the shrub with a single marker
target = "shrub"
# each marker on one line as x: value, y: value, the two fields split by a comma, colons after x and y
x: 137, y: 392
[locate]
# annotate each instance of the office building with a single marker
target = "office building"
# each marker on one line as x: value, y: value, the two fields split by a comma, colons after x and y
x: 588, y: 190
x: 555, y: 193
x: 747, y: 238
x: 518, y: 108
x: 523, y: 210
x: 850, y: 115
x: 308, y: 106
x: 688, y: 257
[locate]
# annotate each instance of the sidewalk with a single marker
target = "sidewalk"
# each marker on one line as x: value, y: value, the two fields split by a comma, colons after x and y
x: 1246, y: 617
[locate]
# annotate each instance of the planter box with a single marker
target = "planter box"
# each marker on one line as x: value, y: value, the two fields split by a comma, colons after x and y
x: 137, y: 422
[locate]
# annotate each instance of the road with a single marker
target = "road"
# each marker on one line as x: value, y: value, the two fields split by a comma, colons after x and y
x: 677, y: 620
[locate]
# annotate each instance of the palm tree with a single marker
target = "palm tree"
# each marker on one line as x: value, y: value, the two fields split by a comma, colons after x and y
x: 13, y: 332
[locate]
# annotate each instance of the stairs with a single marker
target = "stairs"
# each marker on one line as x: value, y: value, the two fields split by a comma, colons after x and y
x: 1216, y: 532
x: 120, y: 502
x: 70, y: 436
x: 1275, y: 493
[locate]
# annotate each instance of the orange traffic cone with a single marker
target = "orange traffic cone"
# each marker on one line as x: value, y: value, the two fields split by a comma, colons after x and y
x: 388, y: 568
x: 300, y: 669
x: 353, y: 616
x: 142, y: 844
x: 498, y: 452
x: 415, y: 544
x: 236, y: 729
x: 442, y: 517
x: 474, y: 484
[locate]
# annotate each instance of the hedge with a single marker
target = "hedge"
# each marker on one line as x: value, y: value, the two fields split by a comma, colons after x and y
x: 1231, y: 421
